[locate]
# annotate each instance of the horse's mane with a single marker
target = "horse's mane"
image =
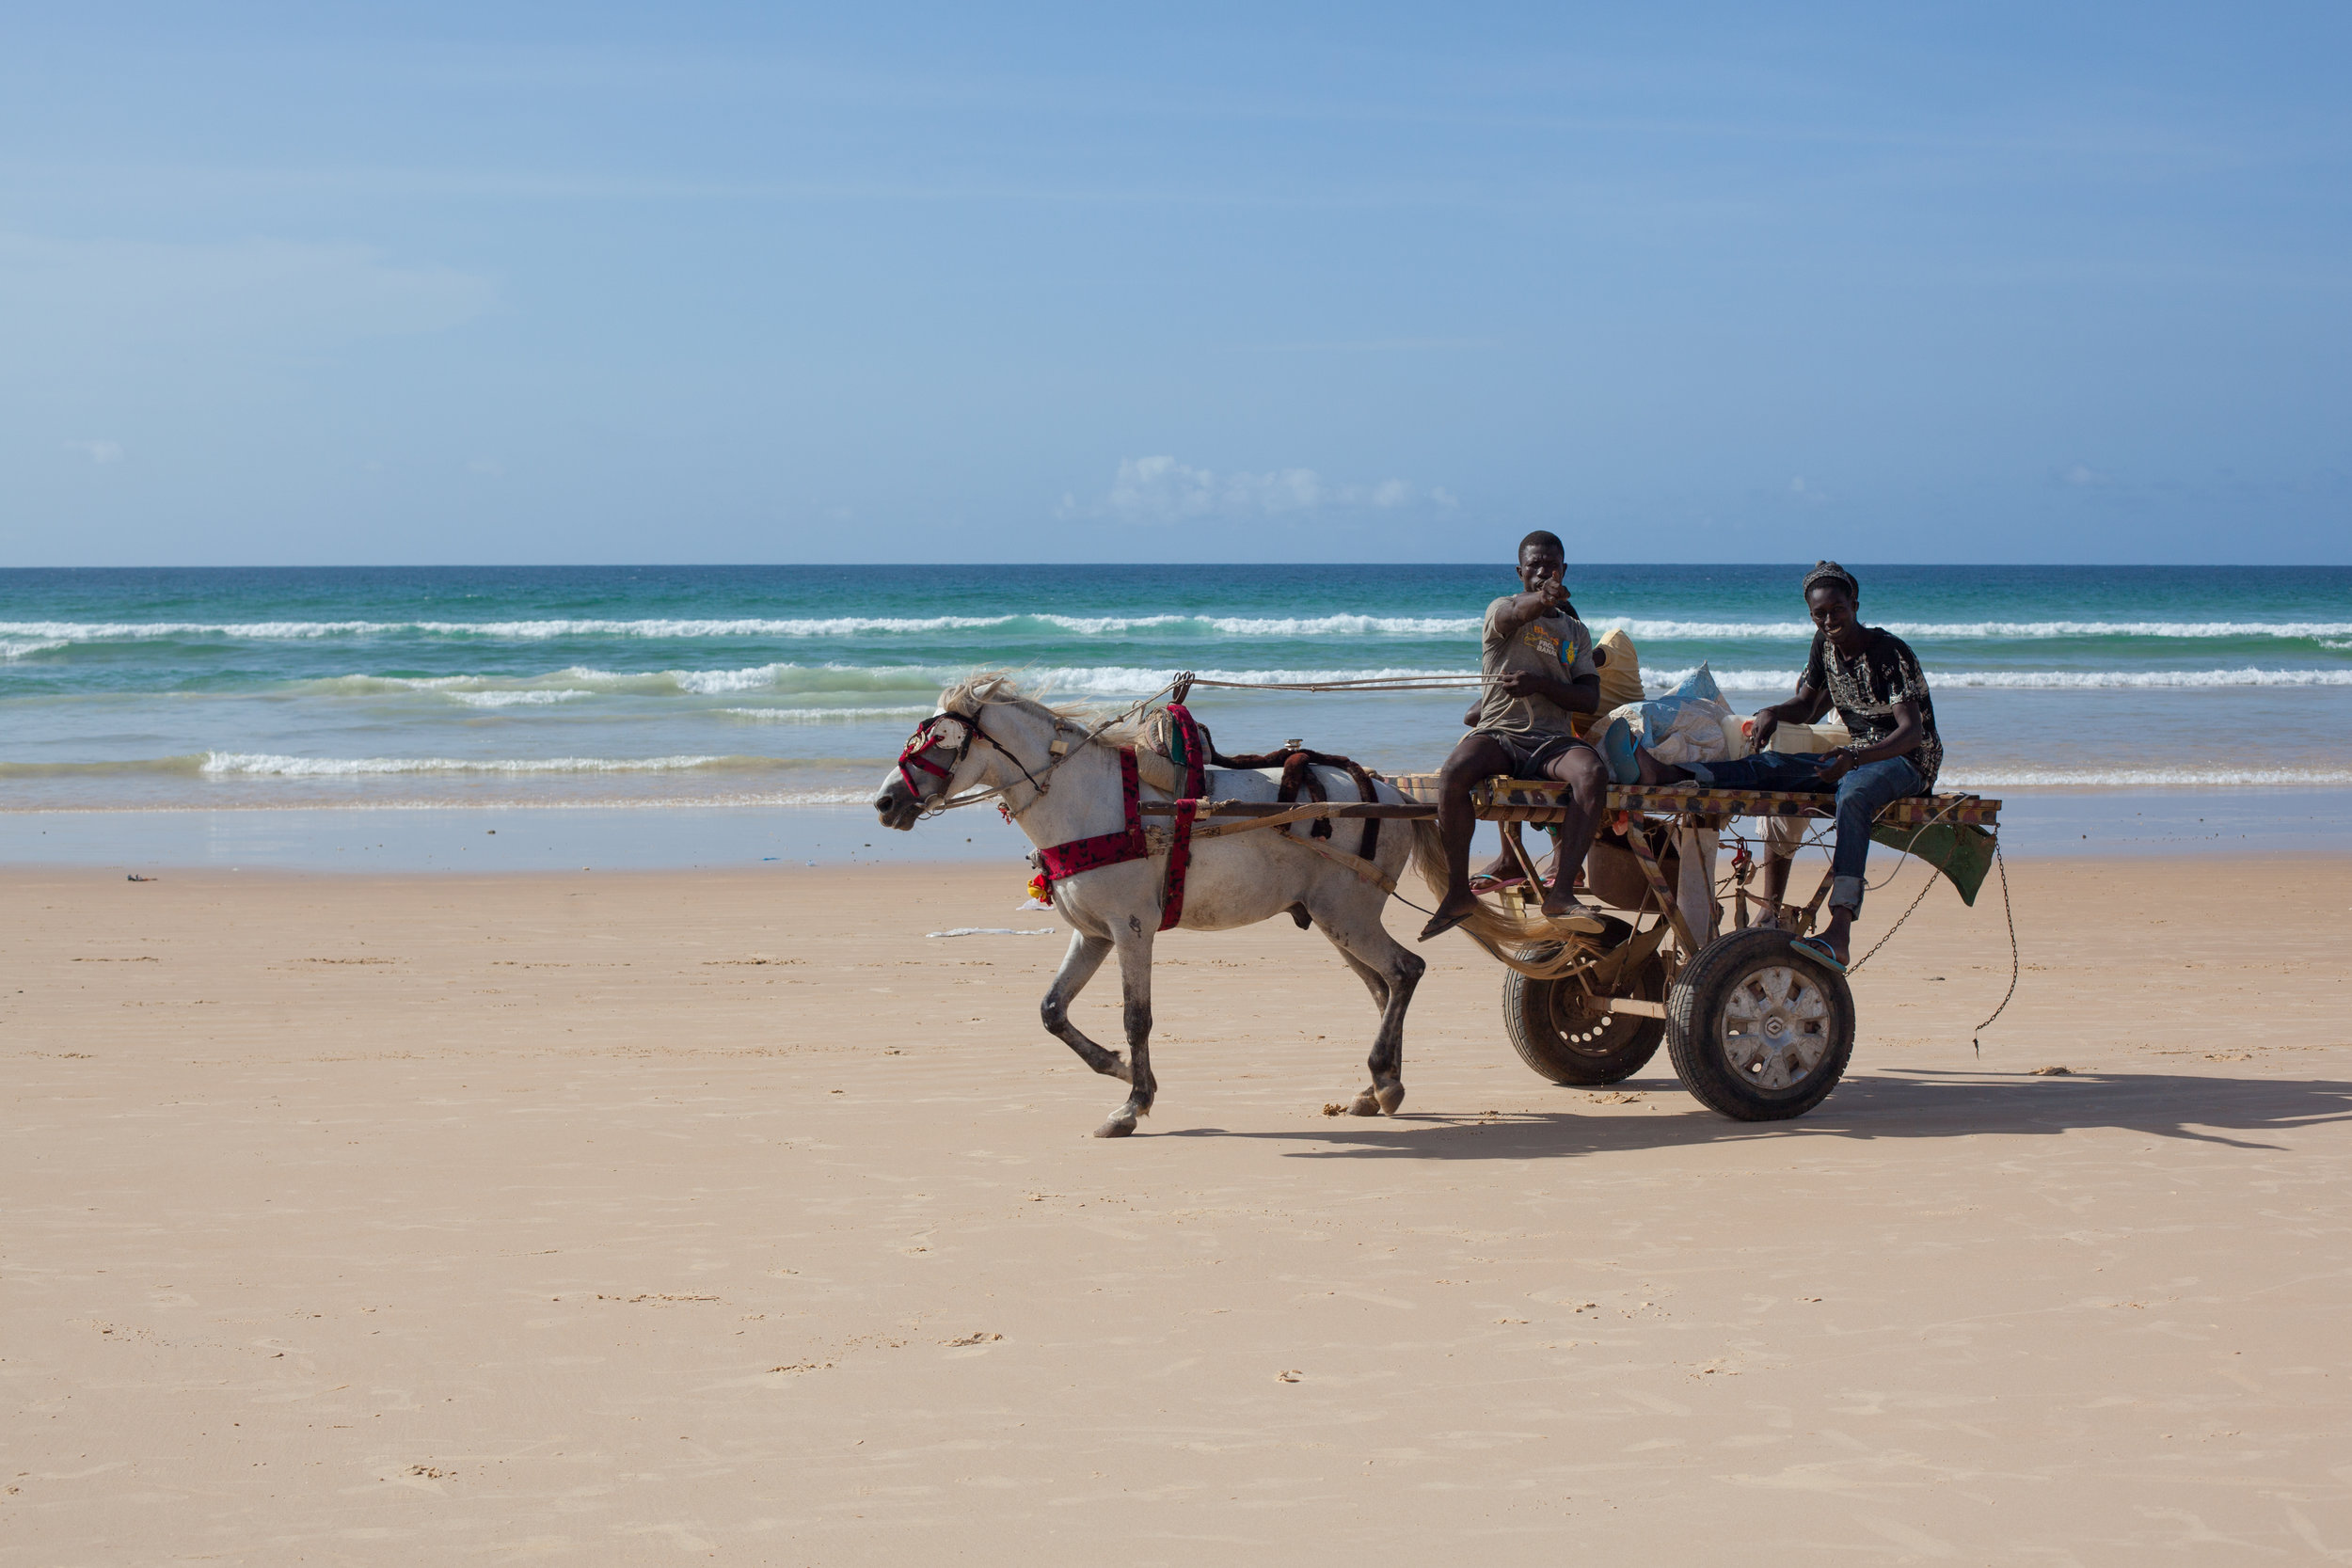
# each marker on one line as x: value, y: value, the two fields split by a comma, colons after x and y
x: 1000, y: 686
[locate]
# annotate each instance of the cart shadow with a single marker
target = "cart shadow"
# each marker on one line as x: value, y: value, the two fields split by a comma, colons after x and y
x: 2236, y: 1113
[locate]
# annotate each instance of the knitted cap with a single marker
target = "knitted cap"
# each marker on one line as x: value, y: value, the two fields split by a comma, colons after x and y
x: 1828, y: 571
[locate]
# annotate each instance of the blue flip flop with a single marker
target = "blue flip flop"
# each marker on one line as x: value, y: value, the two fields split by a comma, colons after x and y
x: 1615, y: 746
x: 1819, y: 951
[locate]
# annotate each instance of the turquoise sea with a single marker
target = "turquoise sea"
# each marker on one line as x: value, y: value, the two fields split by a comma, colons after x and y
x: 789, y: 686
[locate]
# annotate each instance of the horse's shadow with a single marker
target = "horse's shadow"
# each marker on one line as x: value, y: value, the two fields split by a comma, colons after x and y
x: 1904, y: 1104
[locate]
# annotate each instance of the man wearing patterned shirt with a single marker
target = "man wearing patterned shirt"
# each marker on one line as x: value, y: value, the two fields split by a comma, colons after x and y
x: 1874, y: 681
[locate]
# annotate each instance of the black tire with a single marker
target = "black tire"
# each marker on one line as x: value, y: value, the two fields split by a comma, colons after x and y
x: 1561, y: 1039
x: 1758, y: 1031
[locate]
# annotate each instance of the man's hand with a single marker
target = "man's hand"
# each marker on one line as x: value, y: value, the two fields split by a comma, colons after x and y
x: 1553, y: 593
x: 1841, y: 762
x: 1523, y: 683
x: 1764, y: 724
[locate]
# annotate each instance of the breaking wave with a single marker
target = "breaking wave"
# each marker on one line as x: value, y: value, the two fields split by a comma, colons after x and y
x: 2036, y: 680
x: 2144, y: 778
x: 44, y: 635
x: 259, y: 765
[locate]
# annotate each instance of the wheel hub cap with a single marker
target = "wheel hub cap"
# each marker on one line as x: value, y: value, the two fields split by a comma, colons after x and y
x: 1776, y: 1027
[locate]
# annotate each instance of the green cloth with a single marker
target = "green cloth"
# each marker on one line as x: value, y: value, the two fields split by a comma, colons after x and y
x: 1963, y: 851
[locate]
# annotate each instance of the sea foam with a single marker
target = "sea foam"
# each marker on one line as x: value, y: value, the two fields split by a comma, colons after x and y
x: 2141, y: 778
x: 49, y: 634
x: 257, y: 764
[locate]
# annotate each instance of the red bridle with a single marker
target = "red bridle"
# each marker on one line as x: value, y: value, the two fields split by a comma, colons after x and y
x: 928, y: 735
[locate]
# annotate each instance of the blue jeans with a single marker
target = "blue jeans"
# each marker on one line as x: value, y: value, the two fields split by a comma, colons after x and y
x: 1861, y: 794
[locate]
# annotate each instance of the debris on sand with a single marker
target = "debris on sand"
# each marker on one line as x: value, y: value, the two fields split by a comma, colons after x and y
x: 2053, y: 1072
x: 1334, y: 1108
x: 1292, y: 1376
x: 982, y: 1338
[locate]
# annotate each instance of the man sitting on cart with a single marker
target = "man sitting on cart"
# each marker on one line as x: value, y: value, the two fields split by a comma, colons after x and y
x: 1874, y: 681
x: 1537, y: 661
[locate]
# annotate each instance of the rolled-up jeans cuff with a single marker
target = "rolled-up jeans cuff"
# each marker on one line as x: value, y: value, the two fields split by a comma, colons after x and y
x: 1845, y: 892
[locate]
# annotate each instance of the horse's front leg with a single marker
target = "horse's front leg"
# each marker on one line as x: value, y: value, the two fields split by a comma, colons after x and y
x: 1086, y: 955
x: 1135, y: 986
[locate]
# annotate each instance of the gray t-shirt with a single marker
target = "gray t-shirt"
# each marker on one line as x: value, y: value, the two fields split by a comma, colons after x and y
x: 1556, y: 646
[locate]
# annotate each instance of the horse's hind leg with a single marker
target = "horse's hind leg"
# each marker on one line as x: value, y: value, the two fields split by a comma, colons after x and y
x: 1373, y: 981
x: 1367, y: 946
x: 1135, y: 985
x: 1086, y: 955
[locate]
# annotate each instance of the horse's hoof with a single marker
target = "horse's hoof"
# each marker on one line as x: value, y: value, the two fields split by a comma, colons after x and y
x: 1121, y: 1125
x: 1365, y: 1104
x: 1390, y: 1096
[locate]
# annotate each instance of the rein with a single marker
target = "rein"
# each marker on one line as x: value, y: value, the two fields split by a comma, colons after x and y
x: 924, y: 739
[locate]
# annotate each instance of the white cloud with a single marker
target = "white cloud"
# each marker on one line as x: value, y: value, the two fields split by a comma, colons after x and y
x: 1162, y: 490
x: 97, y: 452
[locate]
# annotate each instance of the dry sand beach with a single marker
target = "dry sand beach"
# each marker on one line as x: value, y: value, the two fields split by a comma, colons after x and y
x: 618, y: 1218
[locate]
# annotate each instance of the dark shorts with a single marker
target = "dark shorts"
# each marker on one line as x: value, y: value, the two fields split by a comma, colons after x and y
x: 1532, y: 756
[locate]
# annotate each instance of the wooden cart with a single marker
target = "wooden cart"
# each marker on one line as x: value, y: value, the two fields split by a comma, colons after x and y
x: 1755, y: 1028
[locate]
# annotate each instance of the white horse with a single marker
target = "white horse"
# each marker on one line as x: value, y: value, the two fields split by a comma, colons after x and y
x: 988, y: 736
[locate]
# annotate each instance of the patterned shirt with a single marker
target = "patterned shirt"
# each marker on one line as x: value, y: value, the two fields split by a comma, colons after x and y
x: 1865, y: 688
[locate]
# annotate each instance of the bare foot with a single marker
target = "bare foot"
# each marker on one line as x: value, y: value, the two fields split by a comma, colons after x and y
x: 1457, y: 908
x: 1839, y: 934
x: 1566, y: 910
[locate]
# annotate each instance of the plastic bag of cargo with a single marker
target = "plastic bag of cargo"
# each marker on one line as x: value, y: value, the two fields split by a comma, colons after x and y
x: 1685, y: 725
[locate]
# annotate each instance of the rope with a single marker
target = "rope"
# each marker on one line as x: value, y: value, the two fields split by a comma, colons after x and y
x: 1973, y: 1040
x: 973, y: 798
x: 1389, y: 683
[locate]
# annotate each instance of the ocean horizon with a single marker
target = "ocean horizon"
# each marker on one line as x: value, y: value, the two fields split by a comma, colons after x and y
x: 285, y: 688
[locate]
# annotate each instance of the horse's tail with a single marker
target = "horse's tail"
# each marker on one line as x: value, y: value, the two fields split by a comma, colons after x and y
x: 1531, y: 946
x: 1489, y: 927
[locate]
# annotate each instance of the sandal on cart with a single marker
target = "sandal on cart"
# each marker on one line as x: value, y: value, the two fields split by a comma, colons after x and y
x: 1488, y: 883
x: 1820, y: 951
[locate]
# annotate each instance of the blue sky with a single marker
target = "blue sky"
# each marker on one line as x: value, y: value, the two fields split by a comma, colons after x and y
x: 577, y: 283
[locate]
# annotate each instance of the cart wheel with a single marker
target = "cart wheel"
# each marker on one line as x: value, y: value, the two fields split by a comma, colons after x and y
x: 1557, y: 1031
x: 1758, y: 1031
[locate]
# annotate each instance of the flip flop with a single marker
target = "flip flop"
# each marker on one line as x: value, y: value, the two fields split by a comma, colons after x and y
x: 1484, y: 883
x: 1819, y: 951
x: 1615, y: 746
x: 1440, y: 924
x: 1583, y: 922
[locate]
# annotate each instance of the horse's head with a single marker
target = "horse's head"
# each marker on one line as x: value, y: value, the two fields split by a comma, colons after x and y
x: 933, y: 765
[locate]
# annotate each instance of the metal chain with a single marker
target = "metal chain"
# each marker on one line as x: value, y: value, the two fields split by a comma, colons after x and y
x: 1925, y: 888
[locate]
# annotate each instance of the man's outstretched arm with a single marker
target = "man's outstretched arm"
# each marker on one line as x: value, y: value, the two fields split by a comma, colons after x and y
x: 1516, y: 612
x: 1807, y: 706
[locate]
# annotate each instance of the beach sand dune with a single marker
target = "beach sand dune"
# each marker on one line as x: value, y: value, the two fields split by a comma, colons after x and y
x: 612, y: 1218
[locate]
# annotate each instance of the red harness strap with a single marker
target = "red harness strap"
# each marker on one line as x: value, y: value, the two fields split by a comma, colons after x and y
x: 1063, y: 860
x: 1179, y: 863
x: 1089, y: 854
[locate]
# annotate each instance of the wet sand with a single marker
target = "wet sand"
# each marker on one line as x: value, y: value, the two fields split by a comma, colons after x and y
x: 615, y: 1217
